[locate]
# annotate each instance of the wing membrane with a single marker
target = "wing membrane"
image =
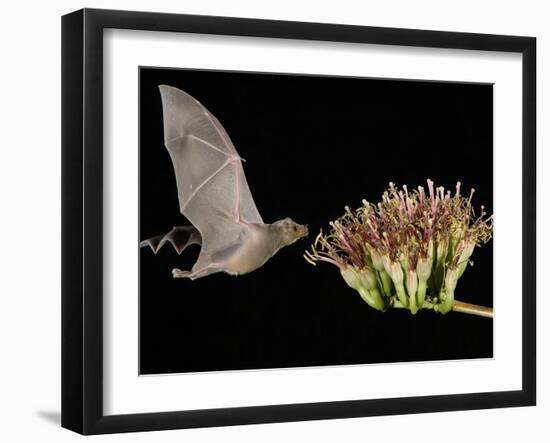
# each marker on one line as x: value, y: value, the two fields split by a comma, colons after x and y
x: 212, y: 189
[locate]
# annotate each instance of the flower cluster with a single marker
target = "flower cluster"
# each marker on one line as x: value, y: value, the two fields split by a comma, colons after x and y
x: 409, y: 250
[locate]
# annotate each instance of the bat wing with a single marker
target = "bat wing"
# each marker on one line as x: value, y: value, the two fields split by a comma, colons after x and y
x: 212, y: 189
x: 180, y: 237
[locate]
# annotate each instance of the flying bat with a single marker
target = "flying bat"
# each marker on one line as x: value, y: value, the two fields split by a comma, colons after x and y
x: 214, y: 196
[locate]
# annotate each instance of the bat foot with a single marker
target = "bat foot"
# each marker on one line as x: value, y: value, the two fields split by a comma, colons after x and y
x: 178, y: 273
x: 193, y: 275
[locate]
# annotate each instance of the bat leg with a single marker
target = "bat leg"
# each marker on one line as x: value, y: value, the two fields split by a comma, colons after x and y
x: 178, y: 273
x: 193, y: 275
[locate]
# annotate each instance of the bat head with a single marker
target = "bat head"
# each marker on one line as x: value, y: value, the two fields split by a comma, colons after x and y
x: 290, y: 231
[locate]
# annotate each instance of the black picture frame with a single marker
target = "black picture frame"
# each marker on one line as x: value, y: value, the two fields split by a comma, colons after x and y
x: 82, y: 219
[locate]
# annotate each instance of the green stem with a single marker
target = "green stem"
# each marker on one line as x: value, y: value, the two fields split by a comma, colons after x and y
x: 386, y: 282
x: 421, y: 292
x: 468, y: 308
x: 402, y: 295
x: 448, y: 297
x: 458, y: 306
x: 395, y: 303
x: 412, y: 302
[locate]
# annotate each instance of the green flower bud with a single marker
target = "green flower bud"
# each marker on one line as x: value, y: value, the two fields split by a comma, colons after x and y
x: 448, y: 295
x: 464, y: 258
x: 376, y: 258
x: 411, y: 283
x: 351, y: 277
x: 367, y: 278
x: 441, y: 250
x: 365, y: 295
x: 430, y: 249
x: 373, y: 298
x: 451, y: 278
x: 394, y: 270
x: 423, y: 269
x: 467, y: 252
x: 404, y: 260
x: 365, y: 282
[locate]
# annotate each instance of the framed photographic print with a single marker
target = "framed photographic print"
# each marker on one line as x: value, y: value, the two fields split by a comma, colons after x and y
x: 270, y: 221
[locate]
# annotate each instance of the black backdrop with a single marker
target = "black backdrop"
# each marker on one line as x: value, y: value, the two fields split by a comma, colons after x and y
x: 312, y: 145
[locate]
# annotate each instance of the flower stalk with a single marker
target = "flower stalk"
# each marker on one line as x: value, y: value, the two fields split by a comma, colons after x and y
x: 407, y: 251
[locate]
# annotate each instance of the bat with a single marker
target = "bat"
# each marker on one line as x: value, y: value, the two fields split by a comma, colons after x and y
x: 214, y: 196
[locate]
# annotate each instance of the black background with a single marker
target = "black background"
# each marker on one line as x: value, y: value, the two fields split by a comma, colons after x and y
x: 312, y: 145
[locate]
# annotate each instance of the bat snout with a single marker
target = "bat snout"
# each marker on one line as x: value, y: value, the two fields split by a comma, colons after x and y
x: 290, y: 231
x: 302, y: 231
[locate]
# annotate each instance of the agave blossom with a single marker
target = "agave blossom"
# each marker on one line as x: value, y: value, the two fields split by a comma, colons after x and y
x: 409, y: 250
